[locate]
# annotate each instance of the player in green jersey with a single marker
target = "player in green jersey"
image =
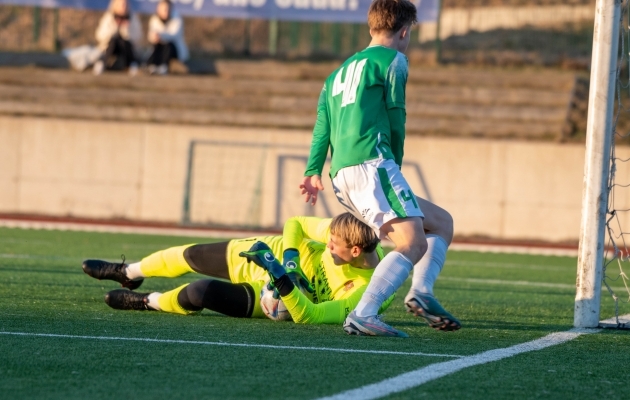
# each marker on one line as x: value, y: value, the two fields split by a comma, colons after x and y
x: 337, y: 259
x: 361, y: 118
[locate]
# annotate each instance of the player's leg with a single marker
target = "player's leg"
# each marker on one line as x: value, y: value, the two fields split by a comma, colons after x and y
x: 420, y: 300
x: 122, y: 299
x: 234, y: 300
x: 239, y: 300
x: 208, y: 259
x: 408, y: 236
x: 437, y: 221
x: 378, y: 193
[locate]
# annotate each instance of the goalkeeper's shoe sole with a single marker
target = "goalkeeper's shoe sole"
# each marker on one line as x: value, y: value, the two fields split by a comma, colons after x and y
x: 112, y: 271
x: 122, y: 299
x: 427, y: 307
x: 369, y: 326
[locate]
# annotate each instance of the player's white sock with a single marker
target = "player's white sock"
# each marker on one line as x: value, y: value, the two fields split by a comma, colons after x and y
x: 133, y: 271
x: 389, y: 275
x: 426, y: 271
x: 153, y: 301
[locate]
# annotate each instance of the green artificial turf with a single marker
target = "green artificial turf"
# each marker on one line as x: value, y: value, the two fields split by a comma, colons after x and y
x: 501, y: 299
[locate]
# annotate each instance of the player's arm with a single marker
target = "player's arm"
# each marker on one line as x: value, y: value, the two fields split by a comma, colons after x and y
x: 397, y: 118
x: 295, y: 230
x: 395, y: 86
x: 311, y: 183
x: 303, y: 311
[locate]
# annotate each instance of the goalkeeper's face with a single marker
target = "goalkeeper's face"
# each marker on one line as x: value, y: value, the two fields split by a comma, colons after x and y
x: 341, y: 252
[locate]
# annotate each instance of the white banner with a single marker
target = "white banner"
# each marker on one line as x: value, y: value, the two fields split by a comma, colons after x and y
x: 288, y: 10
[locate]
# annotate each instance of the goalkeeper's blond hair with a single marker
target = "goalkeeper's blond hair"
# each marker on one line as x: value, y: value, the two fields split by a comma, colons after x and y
x: 354, y: 232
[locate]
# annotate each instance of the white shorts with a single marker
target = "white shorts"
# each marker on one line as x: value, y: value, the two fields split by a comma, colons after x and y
x: 376, y: 192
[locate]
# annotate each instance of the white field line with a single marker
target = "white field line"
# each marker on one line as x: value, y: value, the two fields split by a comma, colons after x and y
x: 261, y: 346
x: 508, y: 282
x: 431, y: 372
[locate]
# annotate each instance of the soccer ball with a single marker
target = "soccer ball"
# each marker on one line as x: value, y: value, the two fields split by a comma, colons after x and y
x: 273, y: 308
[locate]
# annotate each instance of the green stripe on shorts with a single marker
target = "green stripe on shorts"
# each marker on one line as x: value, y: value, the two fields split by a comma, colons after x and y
x: 390, y: 194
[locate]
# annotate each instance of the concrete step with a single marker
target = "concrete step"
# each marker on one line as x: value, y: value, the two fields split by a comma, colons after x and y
x: 488, y: 96
x: 446, y: 125
x: 456, y: 102
x: 483, y: 112
x: 157, y: 114
x: 143, y: 99
x: 435, y: 76
x: 178, y: 87
x: 474, y: 84
x: 483, y: 128
x: 273, y: 103
x: 167, y: 84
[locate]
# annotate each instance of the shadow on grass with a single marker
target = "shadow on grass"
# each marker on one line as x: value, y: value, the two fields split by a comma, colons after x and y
x: 494, y: 325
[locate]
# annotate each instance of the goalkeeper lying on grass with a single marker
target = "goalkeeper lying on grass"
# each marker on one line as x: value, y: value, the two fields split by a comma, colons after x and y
x: 326, y: 267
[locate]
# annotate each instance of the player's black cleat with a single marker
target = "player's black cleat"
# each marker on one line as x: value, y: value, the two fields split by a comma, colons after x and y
x: 113, y: 271
x: 122, y: 299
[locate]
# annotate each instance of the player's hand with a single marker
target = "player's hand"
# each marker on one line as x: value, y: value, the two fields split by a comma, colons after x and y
x: 154, y: 37
x: 310, y: 186
x: 261, y: 255
x: 291, y: 264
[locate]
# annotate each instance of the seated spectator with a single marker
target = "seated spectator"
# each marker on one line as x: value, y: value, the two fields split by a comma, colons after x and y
x: 166, y: 33
x: 118, y: 35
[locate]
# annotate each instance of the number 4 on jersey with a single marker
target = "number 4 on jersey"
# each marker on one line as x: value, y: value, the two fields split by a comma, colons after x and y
x: 350, y: 85
x: 406, y: 196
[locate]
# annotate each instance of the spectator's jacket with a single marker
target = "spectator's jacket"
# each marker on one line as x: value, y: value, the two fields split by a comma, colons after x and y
x: 171, y: 31
x: 107, y: 28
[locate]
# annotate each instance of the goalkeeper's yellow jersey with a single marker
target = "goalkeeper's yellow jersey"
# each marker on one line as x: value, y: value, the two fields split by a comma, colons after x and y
x: 338, y: 288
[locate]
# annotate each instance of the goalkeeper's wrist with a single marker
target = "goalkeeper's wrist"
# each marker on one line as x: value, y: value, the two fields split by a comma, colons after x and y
x: 284, y: 284
x: 290, y: 254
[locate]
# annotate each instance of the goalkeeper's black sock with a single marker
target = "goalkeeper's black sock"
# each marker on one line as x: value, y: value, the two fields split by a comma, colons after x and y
x: 232, y: 299
x: 284, y: 284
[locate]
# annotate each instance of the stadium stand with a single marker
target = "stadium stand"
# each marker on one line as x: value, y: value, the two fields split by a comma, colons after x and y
x: 452, y: 101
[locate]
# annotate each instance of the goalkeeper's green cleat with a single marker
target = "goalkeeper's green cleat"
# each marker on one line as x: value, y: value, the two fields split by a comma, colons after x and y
x: 429, y: 308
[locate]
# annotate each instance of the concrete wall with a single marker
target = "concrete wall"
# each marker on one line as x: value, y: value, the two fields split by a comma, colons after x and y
x: 461, y: 21
x: 500, y: 189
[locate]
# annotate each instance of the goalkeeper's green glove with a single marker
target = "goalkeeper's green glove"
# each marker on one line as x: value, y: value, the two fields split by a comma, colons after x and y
x: 291, y: 264
x: 261, y: 255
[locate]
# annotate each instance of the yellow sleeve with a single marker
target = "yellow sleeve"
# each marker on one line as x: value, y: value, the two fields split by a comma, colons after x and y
x: 304, y: 311
x: 298, y: 228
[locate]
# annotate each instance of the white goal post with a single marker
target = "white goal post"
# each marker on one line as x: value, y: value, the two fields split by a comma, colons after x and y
x: 599, y: 138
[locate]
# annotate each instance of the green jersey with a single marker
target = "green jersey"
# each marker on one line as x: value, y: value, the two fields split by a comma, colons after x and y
x: 361, y: 111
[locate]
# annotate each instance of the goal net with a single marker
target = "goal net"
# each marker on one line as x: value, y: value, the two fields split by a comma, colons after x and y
x: 617, y: 256
x: 247, y: 185
x: 236, y: 185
